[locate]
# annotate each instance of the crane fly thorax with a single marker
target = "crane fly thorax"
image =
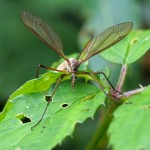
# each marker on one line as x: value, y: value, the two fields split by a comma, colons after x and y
x: 74, y: 64
x: 71, y: 67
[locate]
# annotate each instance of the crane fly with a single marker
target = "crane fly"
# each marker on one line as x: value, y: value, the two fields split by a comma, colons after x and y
x: 95, y: 45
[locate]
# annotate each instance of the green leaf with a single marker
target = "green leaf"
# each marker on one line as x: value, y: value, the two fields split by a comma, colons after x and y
x: 43, y: 83
x: 134, y: 46
x: 37, y: 85
x: 129, y: 129
x: 59, y: 121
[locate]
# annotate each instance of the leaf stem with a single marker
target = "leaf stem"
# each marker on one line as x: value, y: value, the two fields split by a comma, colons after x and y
x: 122, y: 77
x: 102, y: 128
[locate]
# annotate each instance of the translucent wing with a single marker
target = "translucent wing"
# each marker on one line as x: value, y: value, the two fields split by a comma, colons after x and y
x: 44, y: 32
x: 106, y: 39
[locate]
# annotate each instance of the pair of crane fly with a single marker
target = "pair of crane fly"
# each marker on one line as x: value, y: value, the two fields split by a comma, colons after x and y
x: 95, y: 45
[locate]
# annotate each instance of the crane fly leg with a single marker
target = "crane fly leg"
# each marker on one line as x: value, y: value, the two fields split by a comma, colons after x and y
x: 48, y: 99
x: 108, y: 82
x: 47, y: 68
x: 92, y: 75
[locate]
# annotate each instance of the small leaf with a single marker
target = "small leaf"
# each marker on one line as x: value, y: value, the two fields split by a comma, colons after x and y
x: 65, y: 110
x: 130, y: 127
x: 134, y: 46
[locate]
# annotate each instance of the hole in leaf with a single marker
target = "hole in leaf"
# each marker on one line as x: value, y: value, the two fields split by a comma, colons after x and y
x: 23, y: 118
x: 48, y: 98
x: 44, y: 127
x: 64, y: 105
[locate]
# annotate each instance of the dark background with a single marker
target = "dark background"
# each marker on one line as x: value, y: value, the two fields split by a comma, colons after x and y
x: 74, y: 21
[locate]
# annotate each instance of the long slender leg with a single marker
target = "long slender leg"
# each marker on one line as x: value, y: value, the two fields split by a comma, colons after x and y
x: 108, y: 81
x: 97, y: 80
x: 47, y: 68
x: 49, y: 97
x: 49, y: 100
x: 98, y: 83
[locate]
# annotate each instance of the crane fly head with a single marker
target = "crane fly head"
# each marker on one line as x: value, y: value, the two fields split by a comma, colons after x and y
x: 71, y: 67
x: 74, y: 63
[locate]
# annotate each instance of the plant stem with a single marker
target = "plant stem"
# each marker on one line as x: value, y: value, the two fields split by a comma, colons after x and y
x: 102, y: 128
x: 122, y: 77
x: 104, y: 124
x: 131, y: 93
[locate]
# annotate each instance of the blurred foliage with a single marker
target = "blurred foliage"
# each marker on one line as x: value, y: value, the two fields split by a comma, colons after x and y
x: 18, y: 47
x: 74, y: 21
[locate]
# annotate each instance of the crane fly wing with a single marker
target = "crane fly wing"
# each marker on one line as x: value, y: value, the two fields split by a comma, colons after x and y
x: 43, y: 31
x: 106, y: 39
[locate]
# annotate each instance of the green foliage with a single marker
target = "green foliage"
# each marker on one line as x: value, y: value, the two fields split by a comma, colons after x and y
x: 37, y: 85
x: 128, y: 129
x: 58, y: 122
x: 130, y: 49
